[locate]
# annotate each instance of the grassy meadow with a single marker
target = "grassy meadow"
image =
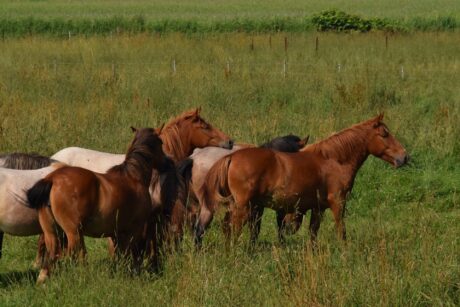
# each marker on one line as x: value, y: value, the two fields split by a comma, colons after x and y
x: 219, y: 9
x: 403, y: 225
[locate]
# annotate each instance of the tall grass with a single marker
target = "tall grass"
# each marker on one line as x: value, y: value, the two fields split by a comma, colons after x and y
x: 403, y: 224
x: 64, y: 27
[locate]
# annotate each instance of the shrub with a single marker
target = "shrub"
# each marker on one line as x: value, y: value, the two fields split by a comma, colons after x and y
x: 335, y: 20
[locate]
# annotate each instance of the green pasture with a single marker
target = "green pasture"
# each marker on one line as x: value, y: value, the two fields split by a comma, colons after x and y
x: 220, y: 9
x: 403, y: 225
x: 60, y: 18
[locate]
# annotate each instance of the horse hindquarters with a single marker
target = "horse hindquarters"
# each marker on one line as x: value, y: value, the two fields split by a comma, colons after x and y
x: 214, y: 190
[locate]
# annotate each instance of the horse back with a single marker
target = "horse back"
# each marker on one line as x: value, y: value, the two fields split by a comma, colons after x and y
x: 266, y: 174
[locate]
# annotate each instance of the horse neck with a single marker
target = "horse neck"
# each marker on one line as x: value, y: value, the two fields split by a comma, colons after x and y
x: 138, y: 165
x: 176, y: 142
x: 348, y: 147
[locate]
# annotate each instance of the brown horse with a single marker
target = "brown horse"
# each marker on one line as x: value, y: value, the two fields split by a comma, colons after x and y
x: 188, y: 131
x: 316, y: 178
x: 116, y: 204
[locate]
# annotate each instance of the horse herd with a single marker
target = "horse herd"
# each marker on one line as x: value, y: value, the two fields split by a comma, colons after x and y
x: 175, y: 177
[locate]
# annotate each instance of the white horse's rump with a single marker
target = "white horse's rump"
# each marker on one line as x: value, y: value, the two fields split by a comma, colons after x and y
x: 96, y: 161
x: 16, y: 218
x: 204, y: 159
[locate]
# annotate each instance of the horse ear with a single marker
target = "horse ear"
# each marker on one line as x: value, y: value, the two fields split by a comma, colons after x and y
x: 133, y: 129
x: 377, y: 120
x: 159, y: 130
x: 304, y: 141
x: 197, y: 111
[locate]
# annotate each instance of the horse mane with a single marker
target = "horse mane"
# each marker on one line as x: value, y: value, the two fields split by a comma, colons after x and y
x: 172, y: 186
x: 170, y: 135
x: 24, y: 161
x: 140, y: 156
x: 344, y: 144
x: 287, y: 143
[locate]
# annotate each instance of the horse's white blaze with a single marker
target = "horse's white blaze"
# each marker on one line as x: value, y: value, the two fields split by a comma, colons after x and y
x: 96, y: 161
x: 15, y: 217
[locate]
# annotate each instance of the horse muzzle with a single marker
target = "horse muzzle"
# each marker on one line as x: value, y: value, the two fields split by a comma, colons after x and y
x: 228, y: 144
x: 402, y: 160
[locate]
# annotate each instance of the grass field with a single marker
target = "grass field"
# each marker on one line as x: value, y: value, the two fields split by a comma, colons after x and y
x: 403, y: 246
x: 194, y: 9
x: 59, y: 18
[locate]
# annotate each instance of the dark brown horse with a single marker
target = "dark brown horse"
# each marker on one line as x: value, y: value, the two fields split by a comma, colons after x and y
x: 116, y: 204
x: 318, y: 177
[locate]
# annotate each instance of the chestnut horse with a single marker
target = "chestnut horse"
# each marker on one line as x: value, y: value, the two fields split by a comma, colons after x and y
x: 180, y: 137
x: 116, y: 204
x: 195, y: 168
x: 316, y: 178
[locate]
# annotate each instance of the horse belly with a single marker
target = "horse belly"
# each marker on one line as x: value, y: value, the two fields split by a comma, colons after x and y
x: 19, y: 220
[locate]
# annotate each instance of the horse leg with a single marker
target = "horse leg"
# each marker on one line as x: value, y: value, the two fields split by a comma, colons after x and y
x: 255, y: 221
x: 48, y: 226
x: 151, y: 244
x: 178, y: 220
x: 136, y: 247
x: 337, y: 205
x: 280, y: 222
x: 315, y: 222
x: 41, y: 252
x: 226, y: 227
x: 240, y: 215
x: 1, y: 243
x: 74, y: 243
x: 204, y: 219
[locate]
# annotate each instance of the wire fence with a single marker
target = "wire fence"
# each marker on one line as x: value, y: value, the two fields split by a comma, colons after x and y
x: 284, y: 68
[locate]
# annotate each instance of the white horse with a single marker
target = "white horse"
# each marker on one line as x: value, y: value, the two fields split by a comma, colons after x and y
x: 16, y: 218
x: 96, y: 161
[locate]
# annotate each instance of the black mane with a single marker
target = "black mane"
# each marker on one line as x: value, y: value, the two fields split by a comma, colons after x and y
x: 287, y: 143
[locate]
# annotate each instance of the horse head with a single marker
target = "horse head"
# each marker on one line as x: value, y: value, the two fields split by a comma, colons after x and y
x: 384, y: 145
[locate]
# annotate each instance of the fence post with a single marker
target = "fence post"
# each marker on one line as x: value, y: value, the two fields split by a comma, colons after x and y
x: 174, y: 66
x: 316, y: 44
x: 270, y: 41
x: 69, y: 35
x: 227, y: 69
x: 252, y: 44
x: 402, y: 72
x: 285, y: 44
x: 284, y: 68
x: 386, y: 41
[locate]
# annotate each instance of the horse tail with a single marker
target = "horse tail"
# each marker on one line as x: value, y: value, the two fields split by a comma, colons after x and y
x: 38, y: 196
x: 184, y: 168
x: 215, y: 187
x: 214, y: 190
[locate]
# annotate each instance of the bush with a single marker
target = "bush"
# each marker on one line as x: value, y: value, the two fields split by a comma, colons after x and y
x: 334, y: 20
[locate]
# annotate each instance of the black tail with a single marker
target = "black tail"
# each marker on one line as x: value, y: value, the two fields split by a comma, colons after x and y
x: 39, y: 195
x: 184, y: 168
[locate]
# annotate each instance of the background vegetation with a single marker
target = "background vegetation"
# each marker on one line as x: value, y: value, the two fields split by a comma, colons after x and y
x: 58, y: 17
x: 403, y: 246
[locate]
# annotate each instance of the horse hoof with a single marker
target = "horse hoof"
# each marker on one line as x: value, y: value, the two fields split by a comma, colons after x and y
x: 42, y: 277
